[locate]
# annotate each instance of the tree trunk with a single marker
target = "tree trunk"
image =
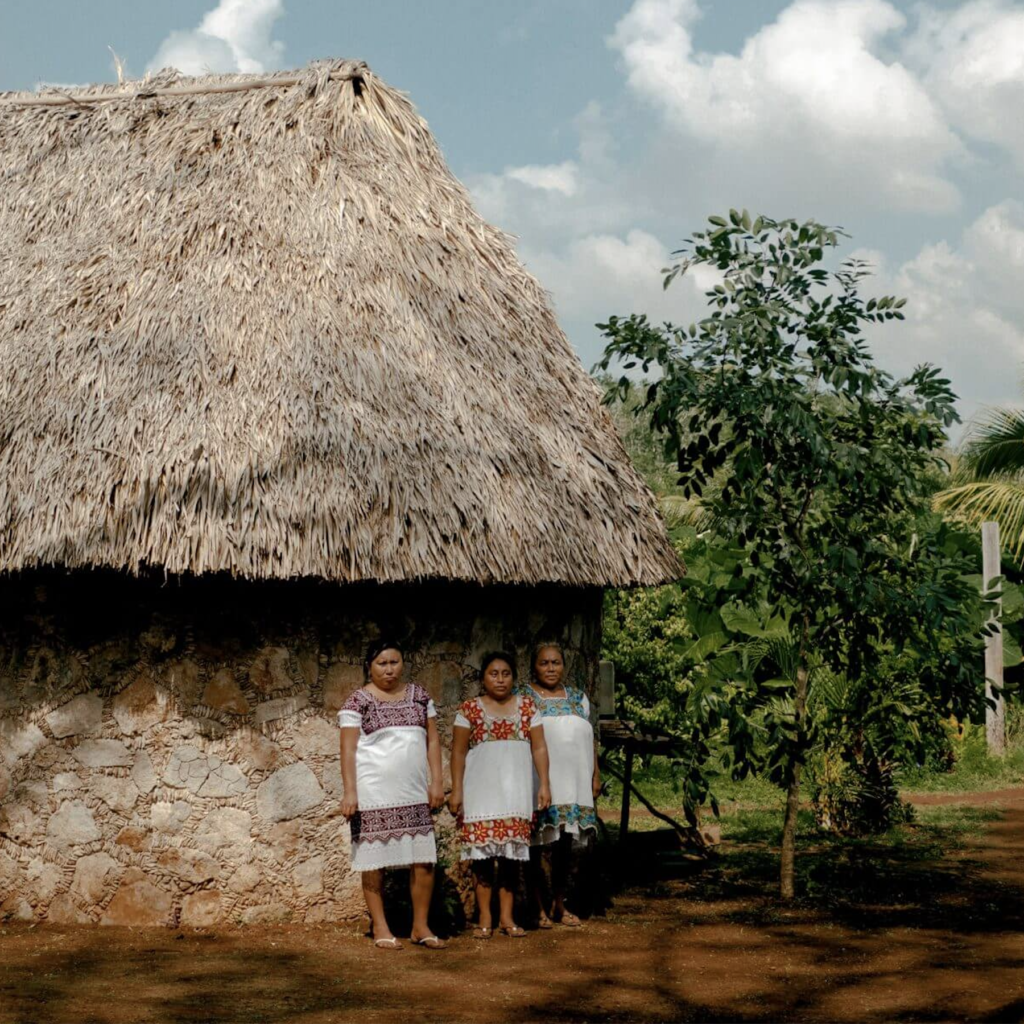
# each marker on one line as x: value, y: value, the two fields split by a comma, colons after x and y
x: 786, y: 887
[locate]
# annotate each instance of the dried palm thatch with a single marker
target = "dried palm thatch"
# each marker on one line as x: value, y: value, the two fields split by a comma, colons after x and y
x: 255, y: 326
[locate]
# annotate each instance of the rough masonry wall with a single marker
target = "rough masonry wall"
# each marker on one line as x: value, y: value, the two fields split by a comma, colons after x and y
x: 169, y: 752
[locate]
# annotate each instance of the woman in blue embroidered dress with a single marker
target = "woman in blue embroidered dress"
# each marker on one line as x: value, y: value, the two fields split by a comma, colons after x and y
x: 562, y: 830
x: 391, y: 771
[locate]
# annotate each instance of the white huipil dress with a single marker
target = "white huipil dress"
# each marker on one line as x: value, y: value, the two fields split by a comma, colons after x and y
x: 393, y: 827
x: 497, y: 792
x: 569, y: 735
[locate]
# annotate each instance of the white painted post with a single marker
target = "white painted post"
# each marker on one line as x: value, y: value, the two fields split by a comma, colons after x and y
x: 995, y: 718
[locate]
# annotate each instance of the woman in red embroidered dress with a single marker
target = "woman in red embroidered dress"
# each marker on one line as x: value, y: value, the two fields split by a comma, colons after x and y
x: 389, y: 741
x: 497, y: 742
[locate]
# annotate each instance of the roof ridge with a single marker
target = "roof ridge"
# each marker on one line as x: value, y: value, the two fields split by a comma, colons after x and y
x: 64, y: 97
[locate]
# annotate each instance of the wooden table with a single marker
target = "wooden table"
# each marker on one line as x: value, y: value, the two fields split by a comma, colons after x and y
x: 616, y: 734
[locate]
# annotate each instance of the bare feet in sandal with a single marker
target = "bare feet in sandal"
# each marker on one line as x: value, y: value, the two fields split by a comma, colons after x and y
x: 513, y: 932
x: 569, y: 919
x: 389, y: 943
x: 430, y: 942
x: 479, y: 932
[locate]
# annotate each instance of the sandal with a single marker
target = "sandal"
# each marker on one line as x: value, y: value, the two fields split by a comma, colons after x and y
x: 544, y: 923
x: 515, y: 932
x: 482, y: 933
x: 391, y: 943
x: 430, y: 942
x: 570, y: 920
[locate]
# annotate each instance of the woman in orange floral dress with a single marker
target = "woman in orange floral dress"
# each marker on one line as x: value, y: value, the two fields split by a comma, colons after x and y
x: 497, y: 742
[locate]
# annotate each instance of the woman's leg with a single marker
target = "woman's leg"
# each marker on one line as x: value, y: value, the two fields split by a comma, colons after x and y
x: 421, y: 888
x: 507, y: 876
x: 482, y: 872
x: 373, y: 893
x: 540, y: 870
x: 561, y: 863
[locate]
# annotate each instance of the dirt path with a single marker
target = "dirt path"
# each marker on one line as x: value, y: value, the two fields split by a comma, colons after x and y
x: 940, y: 941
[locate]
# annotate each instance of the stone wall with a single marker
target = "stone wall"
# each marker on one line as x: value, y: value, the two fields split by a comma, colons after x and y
x: 168, y: 750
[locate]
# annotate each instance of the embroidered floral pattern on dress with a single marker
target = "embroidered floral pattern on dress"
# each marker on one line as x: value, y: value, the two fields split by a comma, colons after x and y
x: 570, y: 704
x: 572, y: 815
x: 376, y: 714
x: 380, y: 824
x: 495, y: 830
x: 483, y: 727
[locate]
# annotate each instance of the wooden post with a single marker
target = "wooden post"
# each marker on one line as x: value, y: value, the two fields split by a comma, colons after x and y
x: 627, y: 782
x: 606, y: 689
x: 995, y: 717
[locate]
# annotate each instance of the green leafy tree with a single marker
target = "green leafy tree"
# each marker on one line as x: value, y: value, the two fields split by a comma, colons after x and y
x: 812, y: 463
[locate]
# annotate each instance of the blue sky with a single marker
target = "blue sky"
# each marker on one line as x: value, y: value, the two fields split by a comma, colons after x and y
x: 600, y: 132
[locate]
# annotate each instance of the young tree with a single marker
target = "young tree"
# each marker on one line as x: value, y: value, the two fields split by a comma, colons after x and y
x: 817, y: 462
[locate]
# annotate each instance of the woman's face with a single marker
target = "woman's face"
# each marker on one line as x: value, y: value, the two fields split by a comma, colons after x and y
x: 549, y: 667
x: 498, y: 679
x: 386, y: 669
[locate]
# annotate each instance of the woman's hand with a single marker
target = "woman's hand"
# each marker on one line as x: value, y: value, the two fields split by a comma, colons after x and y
x: 349, y: 805
x: 455, y: 802
x: 597, y: 785
x: 435, y: 796
x: 543, y: 797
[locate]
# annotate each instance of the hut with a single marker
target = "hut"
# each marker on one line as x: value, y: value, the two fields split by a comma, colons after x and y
x: 268, y: 386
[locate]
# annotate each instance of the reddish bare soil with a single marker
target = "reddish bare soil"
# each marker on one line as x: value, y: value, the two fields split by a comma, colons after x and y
x: 925, y: 940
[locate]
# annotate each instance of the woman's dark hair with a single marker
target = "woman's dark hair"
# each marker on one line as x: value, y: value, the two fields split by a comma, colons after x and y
x: 377, y: 647
x: 485, y: 662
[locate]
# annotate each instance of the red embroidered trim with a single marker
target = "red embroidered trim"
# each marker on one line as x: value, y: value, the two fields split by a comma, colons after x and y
x: 495, y: 830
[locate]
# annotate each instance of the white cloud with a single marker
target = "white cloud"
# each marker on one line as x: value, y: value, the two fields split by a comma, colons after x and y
x: 972, y: 60
x: 550, y: 178
x: 235, y: 36
x: 809, y: 98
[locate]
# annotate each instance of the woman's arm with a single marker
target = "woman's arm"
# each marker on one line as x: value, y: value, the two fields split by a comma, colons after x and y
x: 596, y: 781
x: 350, y: 798
x: 539, y: 746
x: 460, y: 747
x: 435, y: 794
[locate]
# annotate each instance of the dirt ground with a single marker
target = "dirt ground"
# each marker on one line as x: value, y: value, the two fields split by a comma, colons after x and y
x: 936, y: 940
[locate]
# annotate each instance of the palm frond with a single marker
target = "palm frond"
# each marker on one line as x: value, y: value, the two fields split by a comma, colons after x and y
x: 995, y: 445
x: 979, y: 501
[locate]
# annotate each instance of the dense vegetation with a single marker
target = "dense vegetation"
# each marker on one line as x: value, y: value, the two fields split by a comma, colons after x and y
x: 830, y: 622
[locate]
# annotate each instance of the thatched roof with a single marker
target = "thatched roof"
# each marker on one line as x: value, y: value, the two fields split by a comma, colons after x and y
x: 255, y: 326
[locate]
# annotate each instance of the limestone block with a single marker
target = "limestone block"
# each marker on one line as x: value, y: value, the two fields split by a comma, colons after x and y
x: 226, y: 826
x: 442, y: 680
x: 138, y: 902
x: 283, y: 707
x: 102, y: 754
x: 332, y: 779
x: 309, y: 876
x: 189, y: 865
x: 309, y: 666
x: 341, y: 681
x: 316, y: 737
x: 64, y: 911
x: 224, y: 780
x: 18, y: 822
x: 81, y: 716
x: 32, y: 792
x: 5, y: 781
x: 289, y: 792
x: 95, y: 876
x: 201, y: 909
x: 141, y: 706
x: 118, y: 794
x: 245, y: 878
x: 169, y: 818
x: 205, y: 727
x: 182, y: 678
x: 271, y: 671
x: 19, y: 739
x: 222, y: 693
x: 46, y: 879
x: 65, y: 782
x: 71, y: 825
x: 132, y: 837
x: 143, y: 773
x: 269, y: 913
x: 16, y: 908
x: 262, y: 753
x: 187, y: 769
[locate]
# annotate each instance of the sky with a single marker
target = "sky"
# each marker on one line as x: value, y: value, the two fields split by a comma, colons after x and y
x: 602, y: 132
